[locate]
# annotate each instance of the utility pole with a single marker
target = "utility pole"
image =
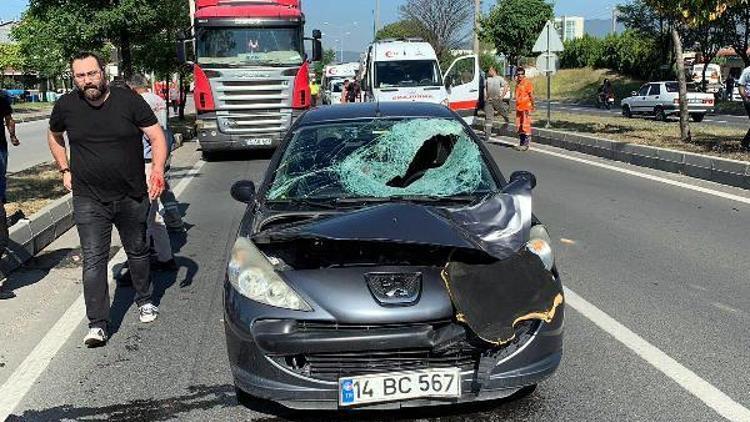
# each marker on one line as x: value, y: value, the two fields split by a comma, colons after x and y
x: 377, y: 17
x: 477, y: 15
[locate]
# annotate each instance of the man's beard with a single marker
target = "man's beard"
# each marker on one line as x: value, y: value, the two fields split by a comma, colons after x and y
x: 93, y: 91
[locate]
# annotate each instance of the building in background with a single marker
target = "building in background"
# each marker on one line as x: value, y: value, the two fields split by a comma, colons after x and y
x: 570, y: 27
x: 5, y: 28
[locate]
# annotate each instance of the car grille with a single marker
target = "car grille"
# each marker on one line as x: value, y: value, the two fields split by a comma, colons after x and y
x: 332, y: 366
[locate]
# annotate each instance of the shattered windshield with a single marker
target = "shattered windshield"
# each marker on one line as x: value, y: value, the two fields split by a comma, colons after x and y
x: 254, y: 46
x: 382, y: 159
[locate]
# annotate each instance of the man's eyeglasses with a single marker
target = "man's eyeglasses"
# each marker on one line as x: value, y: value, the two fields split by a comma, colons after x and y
x: 94, y: 74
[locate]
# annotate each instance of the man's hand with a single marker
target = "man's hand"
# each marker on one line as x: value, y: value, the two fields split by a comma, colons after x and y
x: 14, y: 140
x: 68, y: 181
x: 156, y: 183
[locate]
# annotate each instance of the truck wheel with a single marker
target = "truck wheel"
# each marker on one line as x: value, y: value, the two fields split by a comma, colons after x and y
x: 626, y: 111
x: 698, y: 117
x: 660, y: 114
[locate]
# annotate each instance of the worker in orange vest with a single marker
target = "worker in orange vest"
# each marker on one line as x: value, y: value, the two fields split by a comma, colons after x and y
x: 524, y: 106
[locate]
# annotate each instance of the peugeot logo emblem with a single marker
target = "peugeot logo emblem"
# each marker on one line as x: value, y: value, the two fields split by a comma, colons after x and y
x: 395, y: 289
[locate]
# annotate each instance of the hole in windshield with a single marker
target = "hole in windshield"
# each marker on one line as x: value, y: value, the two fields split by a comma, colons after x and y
x: 382, y: 159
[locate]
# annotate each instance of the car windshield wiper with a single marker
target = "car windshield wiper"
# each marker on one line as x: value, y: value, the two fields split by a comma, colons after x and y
x: 312, y: 203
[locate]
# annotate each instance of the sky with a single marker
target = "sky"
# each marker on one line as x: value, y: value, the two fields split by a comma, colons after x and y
x: 336, y: 18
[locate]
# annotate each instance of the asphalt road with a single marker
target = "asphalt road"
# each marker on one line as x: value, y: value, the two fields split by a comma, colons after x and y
x: 711, y: 119
x: 668, y: 262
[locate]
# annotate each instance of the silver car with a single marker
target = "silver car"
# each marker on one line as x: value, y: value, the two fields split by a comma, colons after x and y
x: 662, y: 99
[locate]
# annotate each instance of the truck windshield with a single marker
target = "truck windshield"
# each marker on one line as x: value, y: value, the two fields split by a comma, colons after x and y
x: 249, y: 46
x: 407, y: 73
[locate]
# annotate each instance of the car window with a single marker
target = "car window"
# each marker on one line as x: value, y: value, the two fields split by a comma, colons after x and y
x: 644, y: 91
x: 655, y: 89
x: 382, y: 158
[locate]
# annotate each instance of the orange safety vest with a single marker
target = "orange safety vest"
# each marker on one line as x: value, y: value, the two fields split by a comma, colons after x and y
x: 524, y: 92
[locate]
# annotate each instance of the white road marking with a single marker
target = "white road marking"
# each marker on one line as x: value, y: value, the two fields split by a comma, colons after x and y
x: 697, y: 287
x: 684, y: 377
x: 713, y: 192
x: 567, y: 241
x: 22, y: 379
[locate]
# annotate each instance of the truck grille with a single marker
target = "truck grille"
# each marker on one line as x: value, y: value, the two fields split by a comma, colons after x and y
x: 259, y: 108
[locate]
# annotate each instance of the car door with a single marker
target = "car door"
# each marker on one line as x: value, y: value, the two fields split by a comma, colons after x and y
x: 654, y: 98
x: 462, y: 85
x: 639, y: 100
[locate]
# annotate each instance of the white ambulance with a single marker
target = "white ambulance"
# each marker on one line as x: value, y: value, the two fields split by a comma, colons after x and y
x: 333, y: 79
x: 408, y: 70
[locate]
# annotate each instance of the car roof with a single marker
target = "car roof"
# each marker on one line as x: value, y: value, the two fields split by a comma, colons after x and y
x: 361, y: 111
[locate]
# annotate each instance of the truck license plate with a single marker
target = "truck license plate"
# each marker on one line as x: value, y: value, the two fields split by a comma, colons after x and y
x: 400, y: 386
x: 258, y: 141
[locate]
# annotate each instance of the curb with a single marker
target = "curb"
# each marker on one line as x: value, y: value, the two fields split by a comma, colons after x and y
x: 30, y: 236
x: 31, y: 118
x: 720, y: 170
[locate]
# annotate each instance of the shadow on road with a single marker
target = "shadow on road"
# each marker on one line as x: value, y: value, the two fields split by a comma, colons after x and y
x: 203, y: 397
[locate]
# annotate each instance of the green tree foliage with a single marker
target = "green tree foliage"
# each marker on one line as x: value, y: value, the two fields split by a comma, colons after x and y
x: 513, y: 26
x: 329, y: 56
x: 51, y: 31
x: 630, y: 53
x: 400, y: 29
x: 10, y: 58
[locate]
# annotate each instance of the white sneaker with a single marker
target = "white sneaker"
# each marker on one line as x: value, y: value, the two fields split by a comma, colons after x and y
x: 148, y: 313
x: 95, y: 338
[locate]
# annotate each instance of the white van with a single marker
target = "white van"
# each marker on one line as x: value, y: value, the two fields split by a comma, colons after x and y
x: 713, y: 76
x: 408, y: 70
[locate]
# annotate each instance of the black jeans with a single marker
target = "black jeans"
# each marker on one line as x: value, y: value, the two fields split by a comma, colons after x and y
x: 94, y: 220
x: 746, y: 141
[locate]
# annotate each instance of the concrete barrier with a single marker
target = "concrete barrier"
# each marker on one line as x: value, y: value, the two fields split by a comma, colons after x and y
x: 715, y: 169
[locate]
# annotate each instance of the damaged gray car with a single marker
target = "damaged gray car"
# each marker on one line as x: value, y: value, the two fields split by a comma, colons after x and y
x: 385, y: 262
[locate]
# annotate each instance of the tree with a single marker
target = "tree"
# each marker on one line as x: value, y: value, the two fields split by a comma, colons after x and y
x: 10, y: 58
x: 513, y: 26
x: 738, y: 30
x: 329, y: 56
x: 51, y: 31
x: 401, y: 29
x: 442, y: 23
x: 689, y: 14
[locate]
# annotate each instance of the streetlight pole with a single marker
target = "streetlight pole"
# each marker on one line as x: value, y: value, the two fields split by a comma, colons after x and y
x: 477, y: 14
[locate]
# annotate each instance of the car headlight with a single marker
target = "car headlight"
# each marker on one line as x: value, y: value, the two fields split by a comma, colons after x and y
x: 541, y: 246
x: 251, y: 273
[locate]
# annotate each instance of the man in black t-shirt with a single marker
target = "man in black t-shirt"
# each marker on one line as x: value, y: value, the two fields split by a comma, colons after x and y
x: 6, y: 116
x: 105, y: 127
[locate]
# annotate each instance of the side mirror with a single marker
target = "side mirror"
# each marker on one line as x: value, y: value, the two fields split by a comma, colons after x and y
x: 243, y: 191
x: 180, y: 48
x: 523, y: 177
x: 185, y: 51
x: 317, y: 34
x: 633, y: 93
x: 317, y: 50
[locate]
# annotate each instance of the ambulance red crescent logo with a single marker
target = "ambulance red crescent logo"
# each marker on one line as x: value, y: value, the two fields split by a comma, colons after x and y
x: 390, y: 54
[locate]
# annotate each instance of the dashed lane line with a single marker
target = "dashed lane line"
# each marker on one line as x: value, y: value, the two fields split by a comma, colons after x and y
x: 22, y: 379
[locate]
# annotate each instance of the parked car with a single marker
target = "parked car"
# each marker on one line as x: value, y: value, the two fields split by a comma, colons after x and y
x: 386, y: 262
x: 661, y: 100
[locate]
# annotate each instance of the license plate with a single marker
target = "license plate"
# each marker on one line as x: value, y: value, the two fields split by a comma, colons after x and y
x: 258, y: 141
x: 695, y: 101
x: 444, y: 383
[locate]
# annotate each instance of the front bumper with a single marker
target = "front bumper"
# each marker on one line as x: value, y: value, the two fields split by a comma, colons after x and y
x: 259, y: 373
x: 673, y: 109
x: 211, y: 138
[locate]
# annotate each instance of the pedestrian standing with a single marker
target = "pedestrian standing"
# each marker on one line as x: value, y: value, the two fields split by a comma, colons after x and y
x: 6, y: 114
x: 345, y: 91
x: 524, y: 106
x: 156, y: 230
x: 314, y: 91
x: 174, y: 96
x: 729, y: 88
x: 744, y: 83
x: 496, y: 87
x: 105, y: 128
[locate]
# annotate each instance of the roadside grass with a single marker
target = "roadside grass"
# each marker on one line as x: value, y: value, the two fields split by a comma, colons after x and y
x: 32, y: 189
x: 580, y: 85
x: 32, y: 107
x: 712, y: 140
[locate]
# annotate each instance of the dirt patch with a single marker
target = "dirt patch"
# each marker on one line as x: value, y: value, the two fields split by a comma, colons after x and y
x: 32, y: 189
x: 720, y: 141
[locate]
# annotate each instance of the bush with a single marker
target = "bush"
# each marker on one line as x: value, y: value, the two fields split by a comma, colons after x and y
x: 629, y: 53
